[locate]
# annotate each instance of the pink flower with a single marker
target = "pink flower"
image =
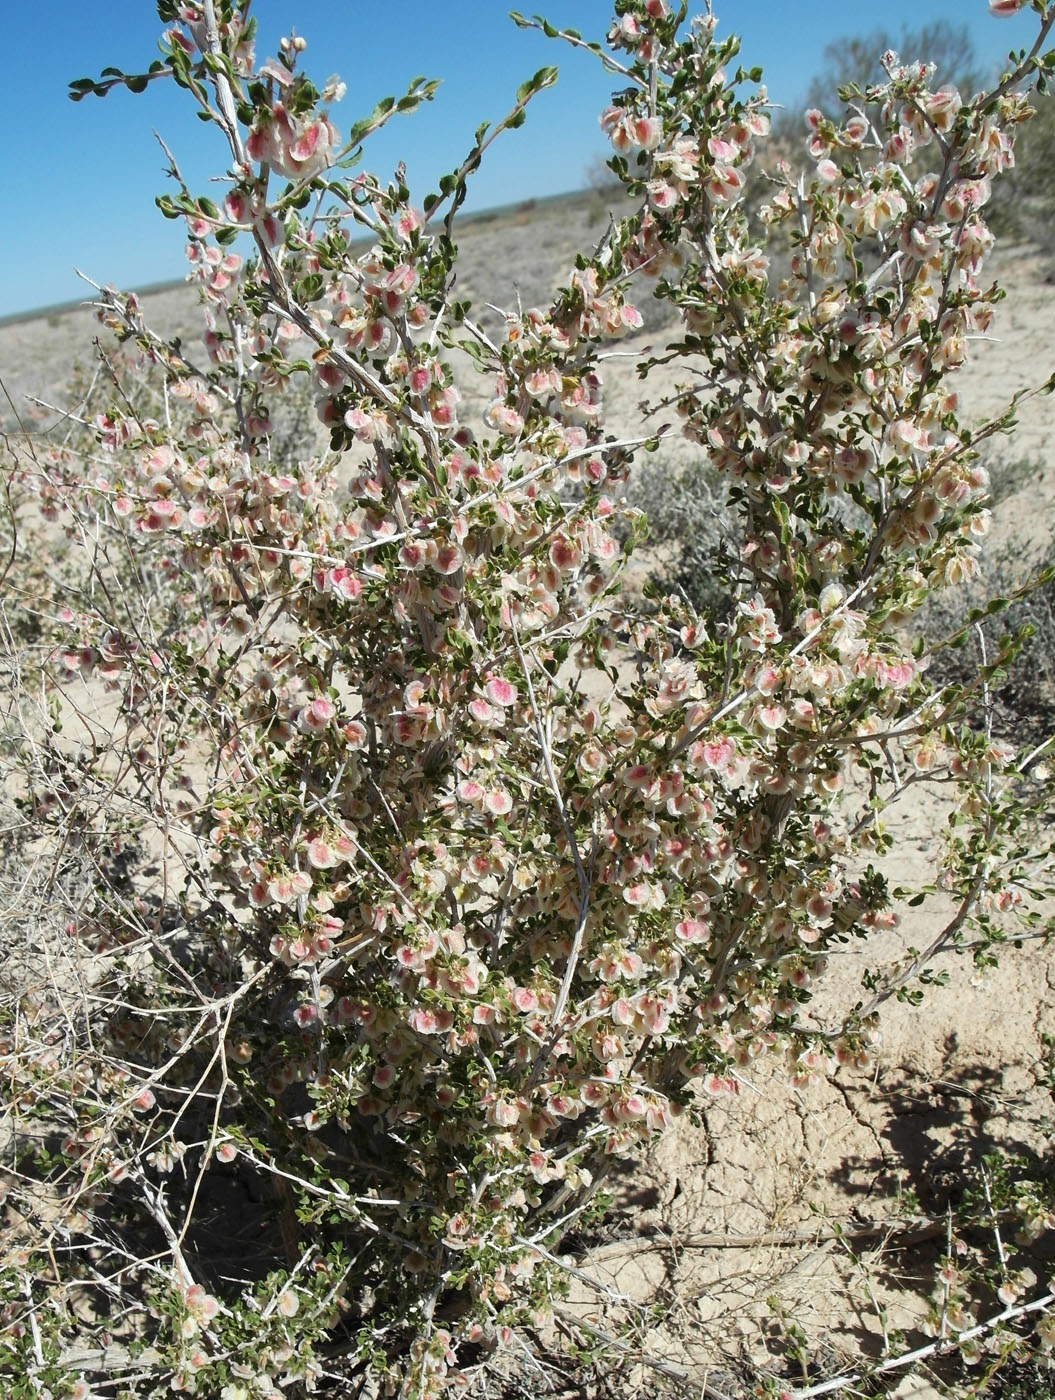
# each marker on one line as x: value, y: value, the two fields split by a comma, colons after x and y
x: 719, y: 1084
x: 622, y: 1012
x: 627, y: 132
x: 633, y: 1106
x: 200, y: 1303
x: 297, y: 151
x: 640, y: 896
x: 719, y: 753
x: 316, y: 715
x: 1003, y: 8
x: 647, y: 132
x: 505, y: 419
x: 498, y: 803
x: 503, y: 1114
x: 639, y: 776
x: 364, y: 425
x: 448, y: 559
x: 320, y: 854
x: 288, y: 1303
x: 772, y: 716
x: 341, y: 581
x: 408, y: 221
x: 429, y: 1022
x: 542, y: 383
x: 724, y: 184
x: 692, y: 931
x: 501, y: 692
x: 484, y: 713
x: 565, y: 555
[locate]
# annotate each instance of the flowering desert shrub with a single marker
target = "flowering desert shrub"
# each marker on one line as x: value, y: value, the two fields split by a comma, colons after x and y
x: 429, y: 872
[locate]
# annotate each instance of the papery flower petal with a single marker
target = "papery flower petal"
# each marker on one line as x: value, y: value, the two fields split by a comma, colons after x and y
x: 501, y: 692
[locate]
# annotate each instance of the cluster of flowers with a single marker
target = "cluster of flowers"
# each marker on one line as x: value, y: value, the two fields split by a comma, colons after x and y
x: 497, y: 870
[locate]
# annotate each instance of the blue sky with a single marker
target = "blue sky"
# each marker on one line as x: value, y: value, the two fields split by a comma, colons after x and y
x: 79, y: 180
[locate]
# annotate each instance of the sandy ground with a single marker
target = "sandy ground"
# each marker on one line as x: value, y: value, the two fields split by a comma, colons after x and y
x: 725, y: 1224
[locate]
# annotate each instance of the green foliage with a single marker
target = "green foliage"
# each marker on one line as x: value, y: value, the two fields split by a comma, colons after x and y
x: 1021, y: 1380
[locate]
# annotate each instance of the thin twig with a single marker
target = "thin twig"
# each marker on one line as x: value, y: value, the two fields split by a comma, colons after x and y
x: 897, y: 1363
